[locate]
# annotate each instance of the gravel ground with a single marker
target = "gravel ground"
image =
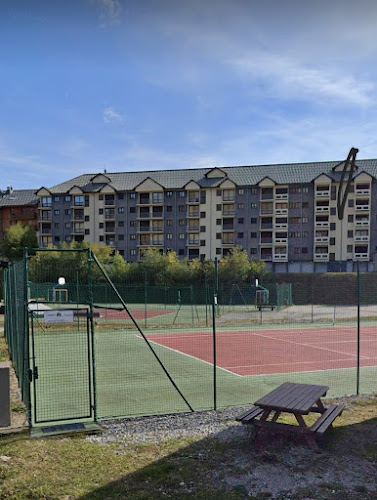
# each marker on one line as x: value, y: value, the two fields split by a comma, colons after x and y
x: 278, y: 467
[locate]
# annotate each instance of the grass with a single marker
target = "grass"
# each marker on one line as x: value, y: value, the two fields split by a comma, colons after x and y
x: 71, y: 468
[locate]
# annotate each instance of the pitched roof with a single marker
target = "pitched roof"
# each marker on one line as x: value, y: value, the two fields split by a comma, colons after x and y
x: 287, y: 173
x: 19, y: 197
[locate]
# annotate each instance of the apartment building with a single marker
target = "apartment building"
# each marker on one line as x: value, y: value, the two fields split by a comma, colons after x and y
x: 18, y: 206
x: 285, y: 215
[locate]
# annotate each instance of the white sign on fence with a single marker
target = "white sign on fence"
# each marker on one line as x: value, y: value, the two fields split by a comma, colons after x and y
x: 58, y: 316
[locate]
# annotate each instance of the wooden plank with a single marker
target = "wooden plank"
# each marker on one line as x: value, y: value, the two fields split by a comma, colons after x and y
x: 253, y: 410
x: 327, y: 418
x: 293, y: 397
x: 309, y: 397
x: 274, y: 397
x: 324, y: 426
x: 252, y: 416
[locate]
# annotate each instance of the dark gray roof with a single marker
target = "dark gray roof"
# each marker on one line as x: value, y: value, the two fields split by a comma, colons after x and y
x: 19, y: 197
x: 289, y: 173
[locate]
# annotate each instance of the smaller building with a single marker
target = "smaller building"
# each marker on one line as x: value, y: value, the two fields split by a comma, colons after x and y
x: 18, y: 206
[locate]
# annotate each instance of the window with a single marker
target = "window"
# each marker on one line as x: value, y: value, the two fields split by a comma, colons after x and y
x: 202, y: 215
x: 121, y: 237
x: 169, y: 222
x: 349, y: 248
x: 218, y: 236
x: 241, y: 206
x: 56, y: 198
x: 133, y: 252
x: 101, y: 225
x: 86, y: 231
x: 169, y: 208
x: 120, y: 196
x: 169, y: 194
x: 240, y: 236
x: 132, y: 196
x: 202, y: 243
x: 332, y: 226
x: 181, y: 251
x: 253, y: 251
x: 56, y: 225
x: 86, y: 218
x: 294, y: 204
x: 253, y: 235
x: 202, y: 196
x: 305, y: 190
x: 349, y: 234
x: 181, y: 236
x: 350, y: 218
x: 332, y: 211
x: 101, y: 238
x: 350, y: 202
x: 78, y: 201
x: 67, y: 225
x: 253, y: 205
x: 121, y: 210
x: 132, y: 210
x: 121, y: 223
x: 218, y: 192
x: 218, y: 222
x: 132, y: 236
x: 182, y: 222
x: 305, y: 220
x: 333, y: 192
x: 253, y: 220
x: 181, y: 208
x: 56, y: 212
x: 101, y: 196
x: 132, y: 223
x: 241, y: 191
x: 57, y: 238
x: 218, y: 208
x: 182, y: 194
x: 121, y: 252
x: 332, y: 241
x: 67, y: 211
x: 202, y: 229
x: 254, y: 190
x: 169, y: 236
x: 67, y: 198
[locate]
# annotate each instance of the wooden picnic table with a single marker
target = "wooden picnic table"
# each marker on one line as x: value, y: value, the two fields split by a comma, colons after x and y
x: 296, y: 399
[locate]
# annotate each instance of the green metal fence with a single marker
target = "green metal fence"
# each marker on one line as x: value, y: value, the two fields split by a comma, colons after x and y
x: 85, y: 348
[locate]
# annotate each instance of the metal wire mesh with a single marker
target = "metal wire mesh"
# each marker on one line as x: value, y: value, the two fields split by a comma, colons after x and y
x: 147, y: 349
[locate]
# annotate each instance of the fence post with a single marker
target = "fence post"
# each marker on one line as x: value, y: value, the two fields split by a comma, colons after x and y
x: 91, y: 309
x: 358, y: 330
x: 214, y: 304
x: 145, y: 298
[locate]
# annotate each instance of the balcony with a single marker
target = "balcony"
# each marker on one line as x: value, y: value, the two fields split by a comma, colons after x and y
x: 362, y: 208
x: 279, y: 257
x: 321, y: 239
x: 266, y: 257
x: 228, y: 227
x: 109, y: 228
x: 109, y: 202
x: 266, y: 241
x: 322, y: 209
x: 77, y: 217
x: 280, y: 240
x: 229, y: 198
x: 193, y: 198
x: 46, y: 216
x: 193, y: 242
x: 362, y: 223
x: 144, y: 214
x: 193, y: 213
x: 227, y: 241
x: 322, y: 193
x: 361, y: 238
x: 322, y: 223
x: 109, y: 214
x: 46, y: 230
x: 158, y: 229
x: 228, y: 213
x: 361, y: 256
x: 362, y: 190
x: 281, y: 196
x: 157, y: 243
x: 323, y: 257
x: 144, y: 229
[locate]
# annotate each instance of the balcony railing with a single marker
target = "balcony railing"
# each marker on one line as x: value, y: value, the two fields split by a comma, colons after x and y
x: 325, y: 193
x: 321, y: 256
x: 110, y: 215
x: 281, y: 196
x: 228, y: 213
x: 323, y: 209
x: 193, y: 199
x: 281, y: 256
x: 280, y: 225
x: 361, y: 238
x: 364, y: 256
x: 362, y: 208
x: 322, y: 223
x: 362, y: 192
x: 321, y: 239
x: 362, y: 223
x: 281, y: 240
x: 46, y: 217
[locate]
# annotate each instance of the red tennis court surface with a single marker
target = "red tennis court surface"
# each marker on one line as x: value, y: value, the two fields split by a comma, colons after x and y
x: 115, y: 314
x: 278, y: 351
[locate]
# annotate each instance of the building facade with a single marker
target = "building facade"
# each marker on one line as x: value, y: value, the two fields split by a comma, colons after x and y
x: 18, y: 206
x: 285, y: 215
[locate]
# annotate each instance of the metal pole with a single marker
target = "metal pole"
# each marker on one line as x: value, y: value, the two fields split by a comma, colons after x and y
x: 217, y: 284
x: 145, y: 298
x: 206, y: 296
x: 358, y: 330
x: 139, y: 329
x: 214, y: 303
x: 91, y: 309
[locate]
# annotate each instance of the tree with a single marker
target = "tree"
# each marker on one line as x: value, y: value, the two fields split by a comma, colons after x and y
x: 235, y: 266
x: 16, y: 239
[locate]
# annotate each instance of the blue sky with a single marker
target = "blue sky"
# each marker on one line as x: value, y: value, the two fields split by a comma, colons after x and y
x: 88, y: 85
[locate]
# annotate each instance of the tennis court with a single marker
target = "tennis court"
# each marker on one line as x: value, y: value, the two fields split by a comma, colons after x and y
x: 278, y: 351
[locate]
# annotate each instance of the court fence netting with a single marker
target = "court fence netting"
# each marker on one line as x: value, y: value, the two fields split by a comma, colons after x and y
x: 85, y: 348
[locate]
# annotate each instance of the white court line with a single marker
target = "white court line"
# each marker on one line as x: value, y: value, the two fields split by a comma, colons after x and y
x: 190, y: 356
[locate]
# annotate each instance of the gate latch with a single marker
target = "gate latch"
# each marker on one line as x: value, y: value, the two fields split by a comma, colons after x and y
x: 33, y: 374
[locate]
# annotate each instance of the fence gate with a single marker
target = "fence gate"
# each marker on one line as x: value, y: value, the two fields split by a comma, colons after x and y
x: 61, y: 367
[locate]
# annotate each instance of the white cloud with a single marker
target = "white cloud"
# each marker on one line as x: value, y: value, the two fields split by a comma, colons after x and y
x: 110, y: 115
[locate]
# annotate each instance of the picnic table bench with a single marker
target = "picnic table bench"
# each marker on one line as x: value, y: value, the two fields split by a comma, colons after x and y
x: 298, y: 400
